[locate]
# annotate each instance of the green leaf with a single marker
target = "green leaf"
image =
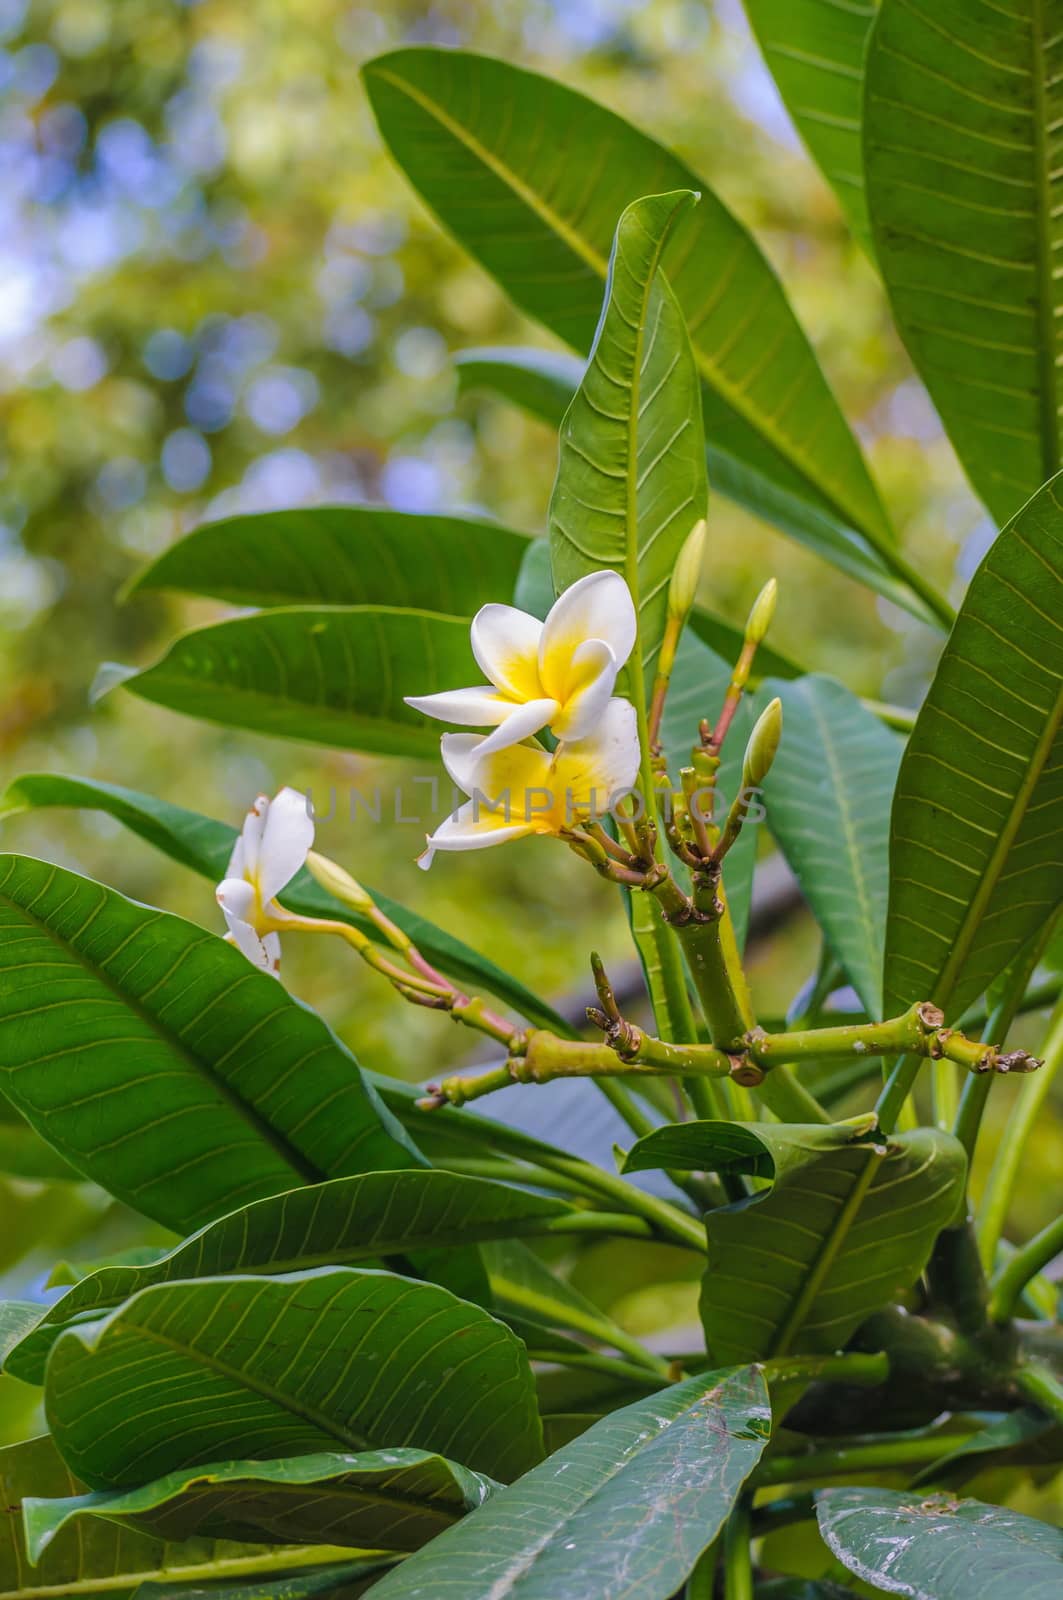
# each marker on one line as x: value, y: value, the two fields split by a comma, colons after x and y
x: 346, y: 1580
x: 1001, y: 1439
x: 379, y: 1499
x: 205, y: 845
x: 828, y: 798
x: 101, y: 1559
x: 765, y: 1149
x: 17, y: 1319
x: 815, y: 52
x: 630, y: 486
x: 940, y: 1548
x: 325, y: 675
x: 631, y: 480
x: 530, y: 177
x: 343, y: 556
x: 161, y: 1064
x: 626, y: 1509
x: 528, y: 1294
x: 541, y: 382
x: 802, y: 1265
x: 350, y: 1220
x: 293, y: 1365
x: 961, y: 112
x: 975, y: 864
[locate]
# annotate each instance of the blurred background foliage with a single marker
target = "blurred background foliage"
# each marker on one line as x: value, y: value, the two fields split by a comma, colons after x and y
x: 216, y: 294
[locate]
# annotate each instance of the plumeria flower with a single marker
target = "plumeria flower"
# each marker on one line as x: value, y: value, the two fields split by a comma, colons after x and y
x: 274, y: 844
x: 558, y: 674
x: 524, y: 789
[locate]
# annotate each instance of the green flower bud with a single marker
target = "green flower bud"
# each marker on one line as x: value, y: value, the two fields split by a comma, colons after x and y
x: 339, y: 883
x: 763, y: 743
x: 687, y: 571
x: 762, y: 613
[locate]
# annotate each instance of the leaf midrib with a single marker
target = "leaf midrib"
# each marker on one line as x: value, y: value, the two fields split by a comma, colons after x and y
x: 593, y: 259
x: 972, y: 919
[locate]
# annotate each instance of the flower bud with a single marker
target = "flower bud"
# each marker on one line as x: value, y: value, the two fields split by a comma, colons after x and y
x: 763, y: 743
x: 684, y: 586
x: 762, y: 613
x: 339, y: 883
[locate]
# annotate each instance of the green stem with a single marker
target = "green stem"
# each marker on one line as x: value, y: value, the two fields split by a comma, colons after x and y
x: 1043, y: 1388
x: 944, y: 1093
x: 865, y: 1370
x: 1010, y: 1155
x: 910, y: 1031
x: 703, y: 1193
x: 897, y: 1088
x: 592, y: 1362
x: 918, y: 584
x: 1026, y: 1263
x: 994, y: 1028
x: 738, y: 1552
x: 706, y: 934
x: 701, y: 1585
x: 843, y: 1460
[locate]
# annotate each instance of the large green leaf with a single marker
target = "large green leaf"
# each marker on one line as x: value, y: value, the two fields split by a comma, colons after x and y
x: 99, y: 1558
x: 765, y: 1149
x: 238, y: 1367
x: 938, y: 1548
x: 161, y: 1064
x: 834, y: 1239
x: 624, y: 1510
x: 350, y: 1220
x: 205, y: 845
x: 975, y: 864
x: 343, y: 556
x: 963, y: 105
x: 378, y: 1500
x: 631, y: 479
x: 630, y: 486
x: 828, y: 798
x: 815, y: 50
x: 542, y: 383
x: 531, y: 177
x: 327, y: 675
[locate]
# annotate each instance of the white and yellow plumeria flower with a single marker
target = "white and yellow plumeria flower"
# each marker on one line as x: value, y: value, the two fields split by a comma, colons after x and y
x: 558, y: 674
x: 524, y: 789
x: 273, y: 845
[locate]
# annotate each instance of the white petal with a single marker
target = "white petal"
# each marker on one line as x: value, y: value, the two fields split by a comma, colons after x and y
x: 607, y: 763
x: 237, y: 899
x: 598, y: 606
x: 505, y: 642
x: 271, y: 944
x: 244, y: 860
x: 286, y: 841
x: 250, y: 945
x: 238, y: 860
x: 463, y: 831
x: 468, y: 708
x: 591, y: 682
x: 521, y: 723
x: 492, y: 772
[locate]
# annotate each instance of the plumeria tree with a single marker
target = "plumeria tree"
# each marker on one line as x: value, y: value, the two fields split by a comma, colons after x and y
x: 364, y: 1363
